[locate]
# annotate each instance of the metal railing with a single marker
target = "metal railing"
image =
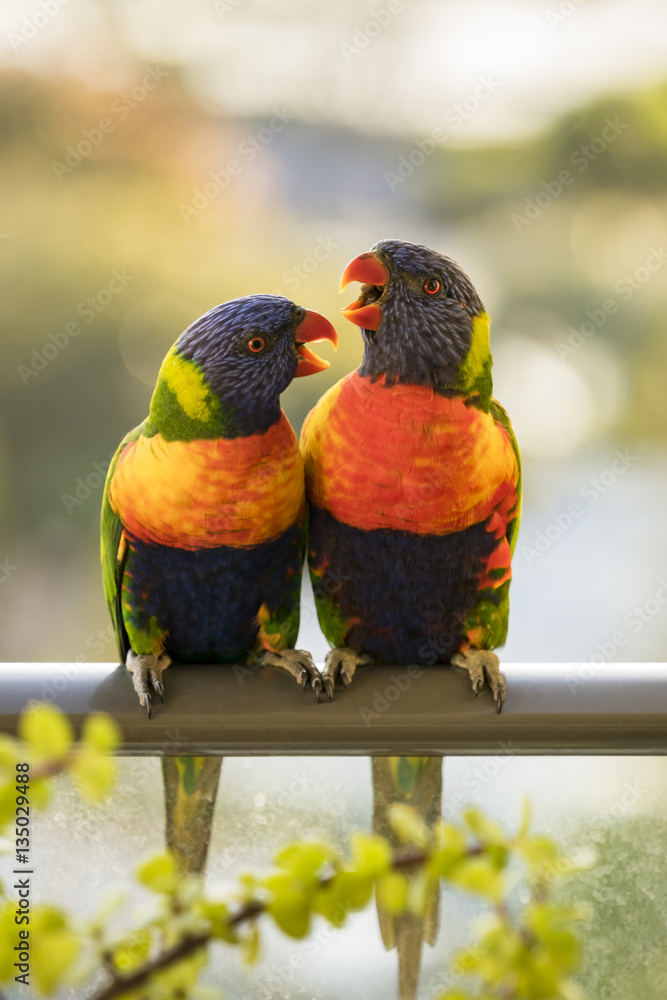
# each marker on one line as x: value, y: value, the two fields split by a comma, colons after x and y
x: 550, y: 709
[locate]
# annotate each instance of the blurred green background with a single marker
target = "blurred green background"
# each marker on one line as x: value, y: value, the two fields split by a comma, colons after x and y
x: 159, y: 158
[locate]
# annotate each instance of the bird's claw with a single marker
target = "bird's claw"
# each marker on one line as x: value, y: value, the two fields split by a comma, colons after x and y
x: 298, y: 663
x: 147, y: 670
x: 342, y: 663
x: 483, y: 665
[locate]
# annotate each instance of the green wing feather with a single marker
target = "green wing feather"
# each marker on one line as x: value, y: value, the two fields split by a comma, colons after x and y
x: 500, y: 416
x: 491, y: 610
x: 113, y: 555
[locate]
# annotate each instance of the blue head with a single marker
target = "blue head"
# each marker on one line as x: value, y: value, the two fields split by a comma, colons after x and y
x: 421, y: 318
x: 224, y: 375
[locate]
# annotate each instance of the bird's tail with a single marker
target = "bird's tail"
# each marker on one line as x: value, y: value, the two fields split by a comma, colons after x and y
x: 190, y: 788
x: 415, y: 781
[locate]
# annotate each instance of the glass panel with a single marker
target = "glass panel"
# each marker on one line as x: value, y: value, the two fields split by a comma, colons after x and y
x: 613, y: 805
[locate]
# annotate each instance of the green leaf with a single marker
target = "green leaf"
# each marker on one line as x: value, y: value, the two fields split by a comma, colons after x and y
x: 391, y: 891
x: 250, y: 945
x: 479, y: 875
x: 159, y: 873
x: 8, y: 938
x: 217, y: 914
x: 40, y: 792
x: 371, y: 855
x: 451, y: 848
x: 408, y: 825
x: 94, y: 775
x: 546, y: 922
x: 54, y: 948
x: 539, y: 980
x: 9, y: 753
x: 47, y: 731
x: 132, y: 951
x: 178, y: 980
x: 419, y: 891
x: 344, y: 893
x: 7, y: 803
x: 305, y: 860
x: 290, y: 906
x: 538, y: 851
x: 487, y: 831
x: 101, y: 733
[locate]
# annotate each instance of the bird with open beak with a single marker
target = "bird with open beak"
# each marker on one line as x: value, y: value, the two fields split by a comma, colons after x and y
x: 413, y: 478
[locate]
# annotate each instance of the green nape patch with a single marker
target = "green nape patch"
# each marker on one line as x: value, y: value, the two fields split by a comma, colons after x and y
x: 183, y: 408
x: 475, y: 377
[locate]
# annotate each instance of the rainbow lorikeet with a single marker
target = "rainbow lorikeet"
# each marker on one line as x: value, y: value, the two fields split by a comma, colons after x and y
x: 203, y: 521
x: 413, y: 481
x: 413, y: 478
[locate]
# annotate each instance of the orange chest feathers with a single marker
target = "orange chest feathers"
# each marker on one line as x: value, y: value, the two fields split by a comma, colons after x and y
x: 207, y: 493
x: 406, y: 458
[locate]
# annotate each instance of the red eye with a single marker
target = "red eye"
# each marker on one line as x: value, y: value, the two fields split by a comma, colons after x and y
x: 256, y: 345
x: 432, y: 286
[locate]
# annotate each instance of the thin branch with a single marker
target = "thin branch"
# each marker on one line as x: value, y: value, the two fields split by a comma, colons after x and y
x: 247, y: 912
x: 123, y: 984
x: 406, y: 858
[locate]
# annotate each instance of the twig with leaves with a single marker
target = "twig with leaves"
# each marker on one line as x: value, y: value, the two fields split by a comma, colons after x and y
x: 526, y: 951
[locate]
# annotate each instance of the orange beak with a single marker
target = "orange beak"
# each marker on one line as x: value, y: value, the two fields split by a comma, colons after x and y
x: 312, y: 329
x: 369, y: 270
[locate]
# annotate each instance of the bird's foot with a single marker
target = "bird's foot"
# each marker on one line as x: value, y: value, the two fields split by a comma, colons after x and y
x: 298, y: 663
x: 147, y: 670
x: 483, y: 665
x: 342, y: 663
